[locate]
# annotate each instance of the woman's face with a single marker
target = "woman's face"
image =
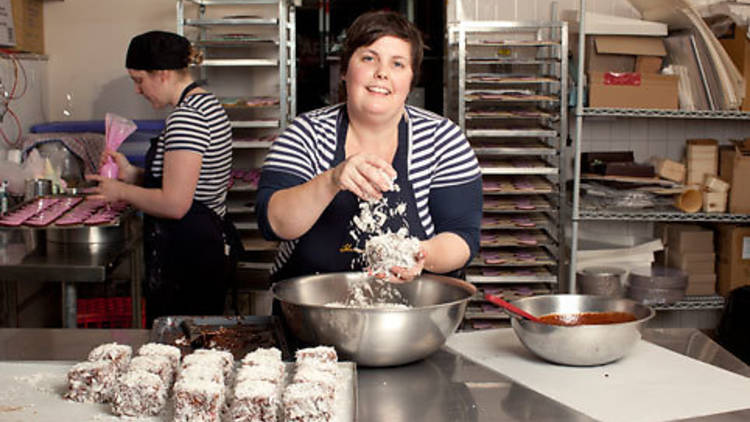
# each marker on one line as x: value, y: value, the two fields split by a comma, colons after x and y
x: 379, y: 77
x: 150, y: 85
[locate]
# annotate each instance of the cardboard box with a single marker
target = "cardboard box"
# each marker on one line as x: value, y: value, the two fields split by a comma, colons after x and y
x: 28, y: 19
x: 735, y: 169
x: 630, y: 91
x: 702, y: 158
x: 701, y: 285
x: 689, y: 238
x: 737, y: 46
x: 734, y: 258
x: 648, y: 64
x: 715, y: 201
x: 693, y: 263
x: 7, y: 30
x: 617, y: 53
x: 714, y: 184
x: 668, y: 169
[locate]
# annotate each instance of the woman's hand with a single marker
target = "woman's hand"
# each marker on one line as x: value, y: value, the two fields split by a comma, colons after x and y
x: 365, y: 175
x: 405, y: 275
x: 127, y: 172
x: 110, y: 190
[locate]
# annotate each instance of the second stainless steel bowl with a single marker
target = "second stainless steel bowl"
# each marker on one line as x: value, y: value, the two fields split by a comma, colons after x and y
x: 374, y: 336
x: 580, y: 345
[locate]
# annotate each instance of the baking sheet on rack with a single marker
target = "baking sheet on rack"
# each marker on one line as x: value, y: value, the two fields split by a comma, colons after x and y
x: 33, y: 391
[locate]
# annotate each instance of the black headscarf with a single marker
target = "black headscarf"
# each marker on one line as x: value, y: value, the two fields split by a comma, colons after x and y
x: 158, y: 50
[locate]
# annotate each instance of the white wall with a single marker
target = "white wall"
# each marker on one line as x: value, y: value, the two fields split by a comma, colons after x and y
x: 86, y: 41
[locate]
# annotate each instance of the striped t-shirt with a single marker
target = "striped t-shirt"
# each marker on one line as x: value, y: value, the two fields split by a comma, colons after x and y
x: 438, y: 156
x: 200, y: 124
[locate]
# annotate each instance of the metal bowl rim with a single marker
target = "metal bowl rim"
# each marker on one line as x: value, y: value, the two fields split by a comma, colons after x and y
x: 468, y: 287
x: 651, y: 313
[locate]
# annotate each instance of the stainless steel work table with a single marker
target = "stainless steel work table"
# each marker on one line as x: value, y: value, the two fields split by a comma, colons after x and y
x: 26, y: 256
x: 443, y: 387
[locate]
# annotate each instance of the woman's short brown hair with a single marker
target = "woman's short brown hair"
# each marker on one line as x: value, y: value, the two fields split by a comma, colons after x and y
x: 371, y: 26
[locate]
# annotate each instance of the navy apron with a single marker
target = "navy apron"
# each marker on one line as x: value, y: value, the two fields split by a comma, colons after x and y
x: 328, y: 246
x: 190, y: 262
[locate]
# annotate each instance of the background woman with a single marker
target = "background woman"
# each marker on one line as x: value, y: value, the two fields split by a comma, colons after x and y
x: 334, y: 167
x: 182, y: 190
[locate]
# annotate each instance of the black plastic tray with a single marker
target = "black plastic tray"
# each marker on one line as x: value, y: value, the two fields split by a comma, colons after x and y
x: 237, y: 334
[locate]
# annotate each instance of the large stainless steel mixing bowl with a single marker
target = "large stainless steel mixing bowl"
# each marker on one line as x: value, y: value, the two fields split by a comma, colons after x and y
x: 581, y: 345
x: 374, y: 336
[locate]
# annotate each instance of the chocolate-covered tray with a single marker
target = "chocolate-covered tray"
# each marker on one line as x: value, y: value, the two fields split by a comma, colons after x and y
x: 237, y: 334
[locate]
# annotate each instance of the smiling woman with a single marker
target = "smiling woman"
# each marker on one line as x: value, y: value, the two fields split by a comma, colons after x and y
x: 371, y: 158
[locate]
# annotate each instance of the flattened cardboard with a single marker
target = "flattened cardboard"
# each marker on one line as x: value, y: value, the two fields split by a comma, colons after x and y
x: 738, y: 47
x: 633, y: 46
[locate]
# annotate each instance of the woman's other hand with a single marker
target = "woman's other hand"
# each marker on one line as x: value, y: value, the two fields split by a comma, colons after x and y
x: 128, y: 173
x: 405, y: 275
x: 110, y: 190
x: 364, y: 175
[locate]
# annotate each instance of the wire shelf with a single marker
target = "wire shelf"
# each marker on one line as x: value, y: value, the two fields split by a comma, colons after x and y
x: 659, y: 113
x: 690, y: 303
x: 663, y: 216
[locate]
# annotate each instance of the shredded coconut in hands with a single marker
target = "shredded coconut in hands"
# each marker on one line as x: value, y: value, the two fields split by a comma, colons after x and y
x: 391, y: 250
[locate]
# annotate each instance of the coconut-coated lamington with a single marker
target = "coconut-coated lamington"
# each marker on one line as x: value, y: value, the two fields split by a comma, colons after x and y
x: 171, y: 352
x: 312, y: 374
x: 306, y: 402
x: 223, y: 358
x: 159, y: 365
x: 118, y: 353
x: 198, y: 400
x: 322, y: 357
x: 139, y: 393
x: 255, y: 401
x: 91, y: 381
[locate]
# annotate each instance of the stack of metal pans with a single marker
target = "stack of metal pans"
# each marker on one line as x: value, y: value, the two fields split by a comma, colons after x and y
x: 602, y: 281
x: 656, y: 285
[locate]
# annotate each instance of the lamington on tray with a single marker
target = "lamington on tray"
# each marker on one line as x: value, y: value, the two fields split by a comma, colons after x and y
x: 118, y: 353
x: 156, y: 364
x: 198, y: 400
x: 171, y: 352
x: 91, y: 381
x: 139, y: 393
x: 255, y: 401
x: 306, y: 402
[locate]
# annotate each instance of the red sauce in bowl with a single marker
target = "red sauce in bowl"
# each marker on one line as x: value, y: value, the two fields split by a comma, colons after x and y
x: 588, y: 318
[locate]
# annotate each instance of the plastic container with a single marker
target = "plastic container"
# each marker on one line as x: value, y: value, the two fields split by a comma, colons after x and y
x: 656, y: 285
x: 108, y: 312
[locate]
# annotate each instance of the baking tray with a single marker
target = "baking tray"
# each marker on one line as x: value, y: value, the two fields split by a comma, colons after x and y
x: 237, y: 334
x: 33, y: 391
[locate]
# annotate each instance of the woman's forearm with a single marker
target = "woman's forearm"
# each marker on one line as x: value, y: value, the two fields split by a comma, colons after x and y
x: 445, y: 252
x: 293, y: 211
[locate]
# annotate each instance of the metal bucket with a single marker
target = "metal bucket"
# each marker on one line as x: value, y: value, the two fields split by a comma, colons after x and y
x: 35, y: 188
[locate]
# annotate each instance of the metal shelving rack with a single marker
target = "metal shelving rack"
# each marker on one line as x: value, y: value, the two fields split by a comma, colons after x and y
x: 249, y: 62
x: 510, y: 87
x: 579, y: 215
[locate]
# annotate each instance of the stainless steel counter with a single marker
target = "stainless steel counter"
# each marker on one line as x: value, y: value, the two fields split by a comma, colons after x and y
x: 443, y: 387
x: 25, y: 256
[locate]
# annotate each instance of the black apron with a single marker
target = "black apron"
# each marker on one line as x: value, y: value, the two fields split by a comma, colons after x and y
x: 323, y: 248
x: 190, y: 262
x: 328, y: 246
